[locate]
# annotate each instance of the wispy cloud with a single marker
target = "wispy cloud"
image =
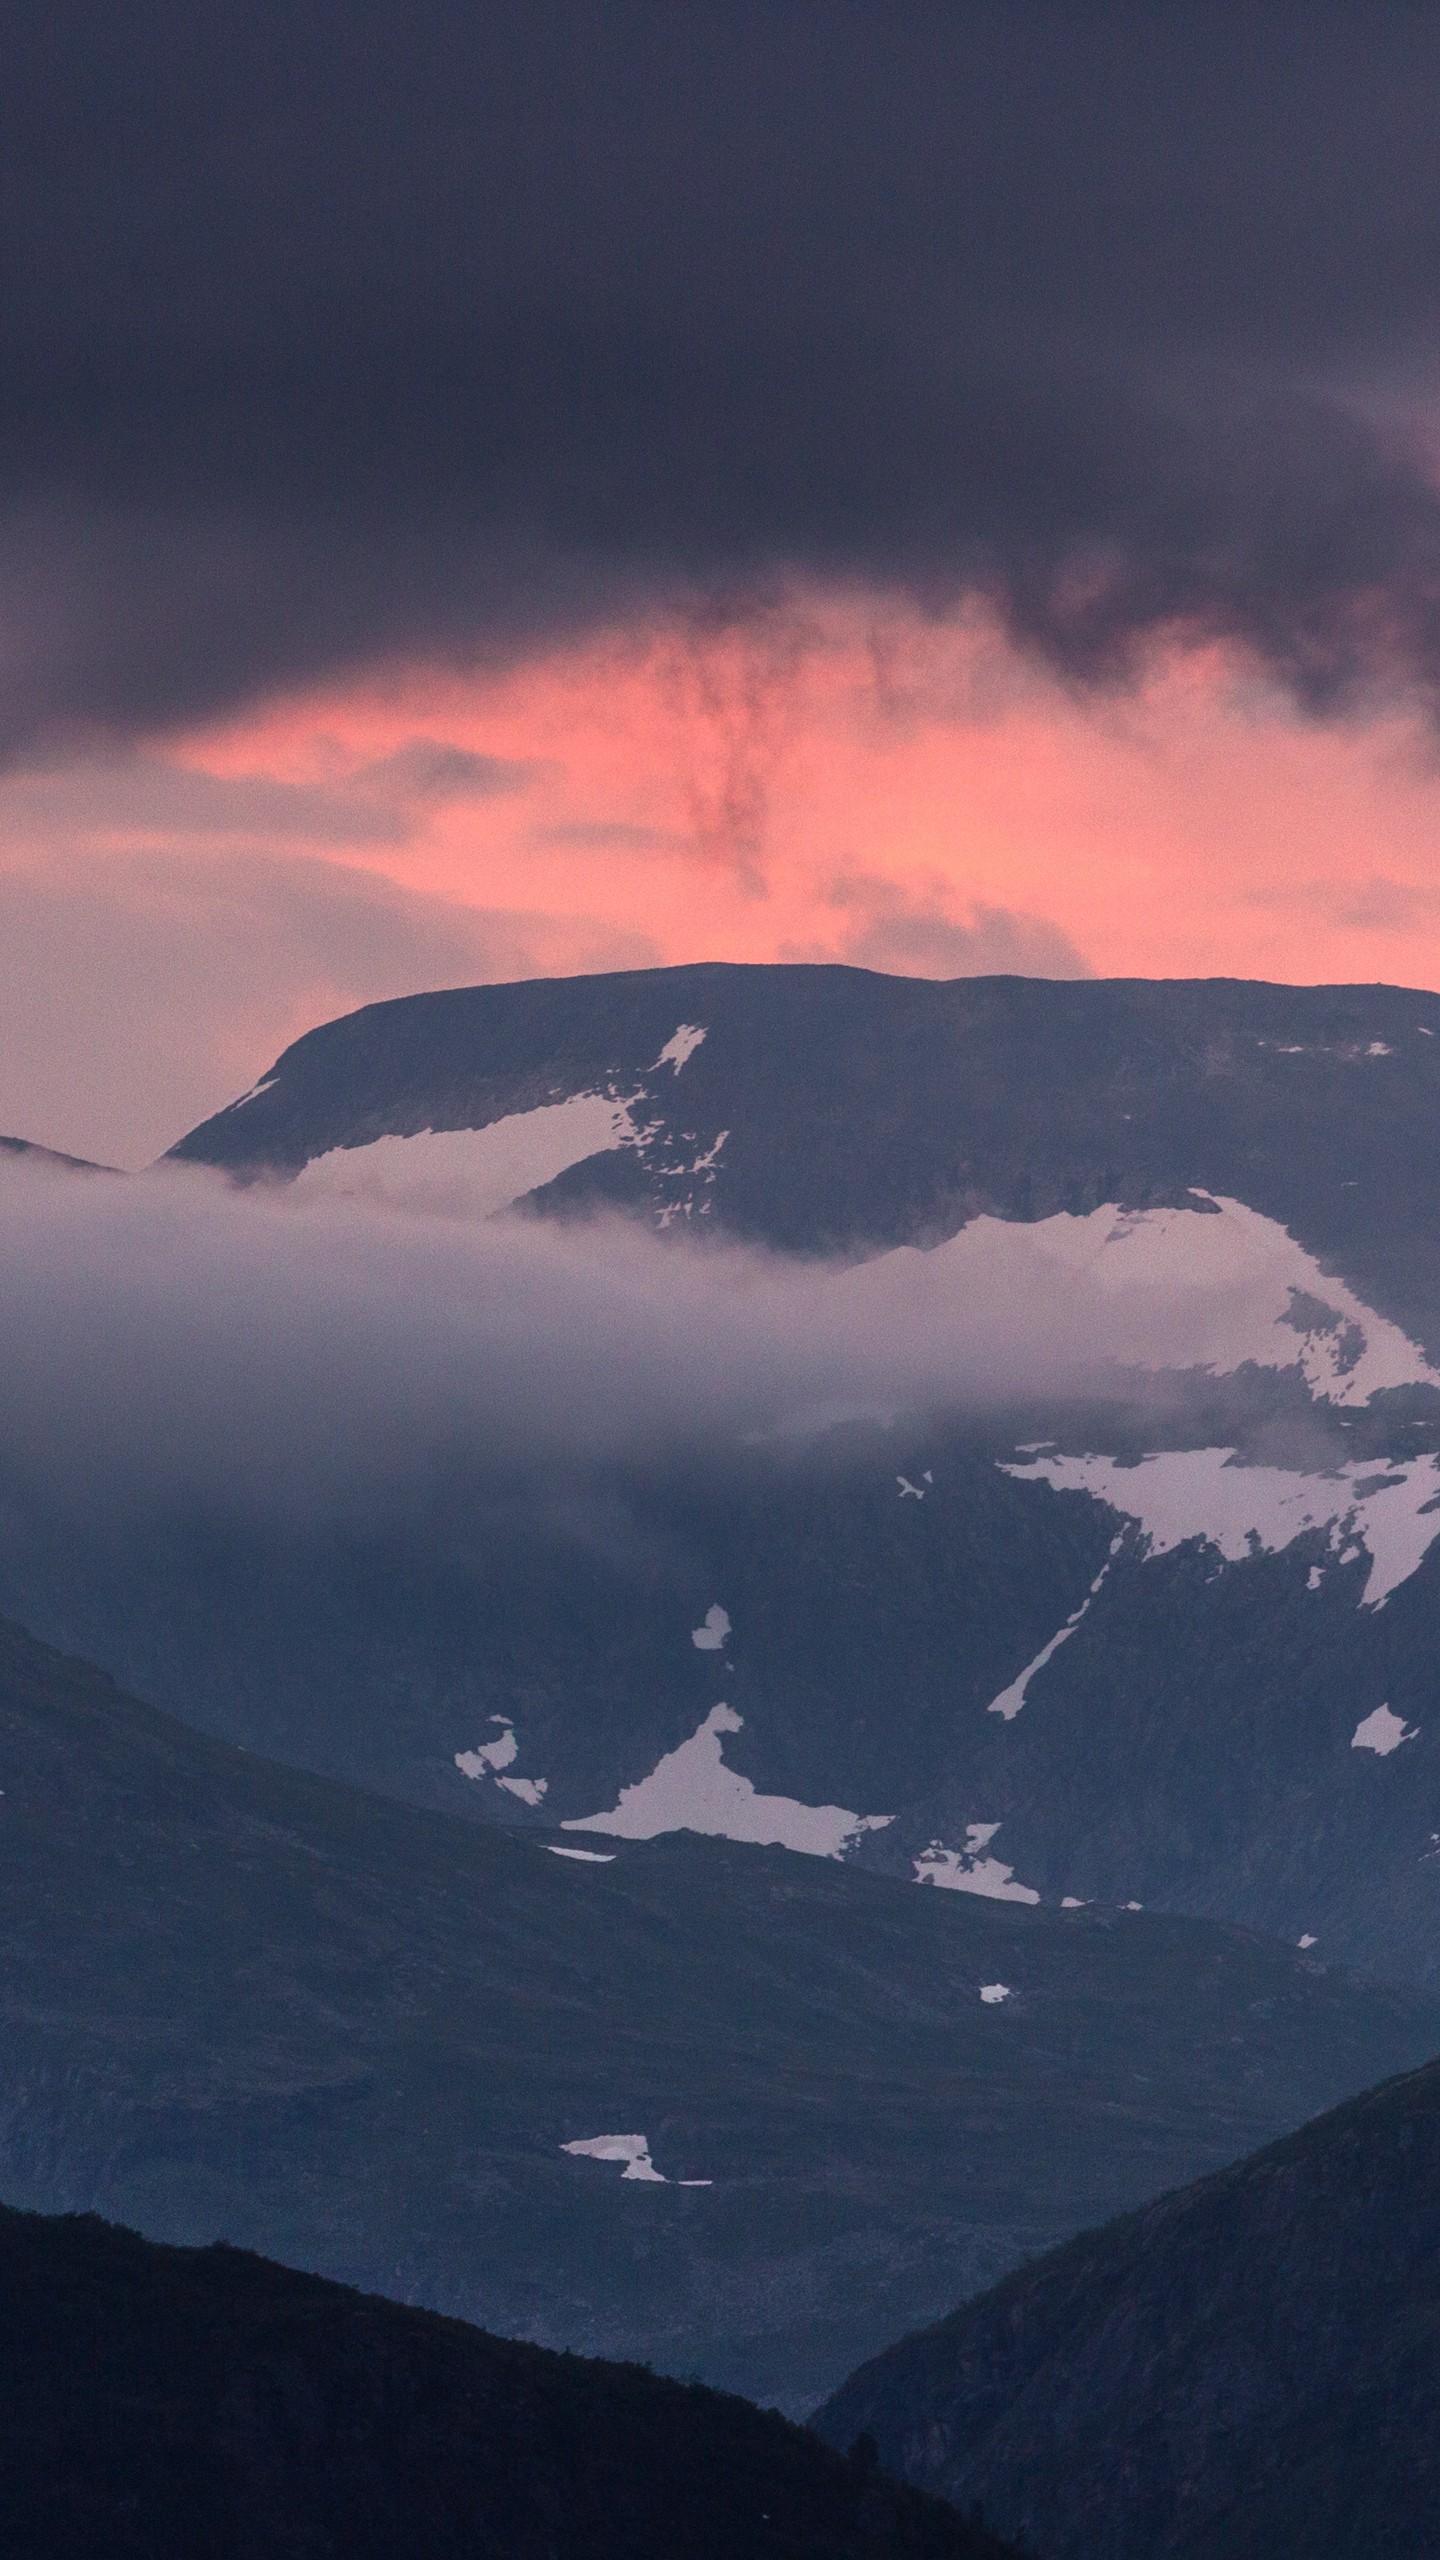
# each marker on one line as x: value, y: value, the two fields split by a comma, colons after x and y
x: 910, y: 928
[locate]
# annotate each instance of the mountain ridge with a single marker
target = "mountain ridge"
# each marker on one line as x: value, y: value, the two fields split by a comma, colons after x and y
x: 1147, y: 1090
x: 239, y: 2000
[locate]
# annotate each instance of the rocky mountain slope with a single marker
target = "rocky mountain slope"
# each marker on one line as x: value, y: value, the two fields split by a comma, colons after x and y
x: 160, y: 2403
x: 736, y: 2112
x: 1164, y: 1632
x: 1250, y: 2368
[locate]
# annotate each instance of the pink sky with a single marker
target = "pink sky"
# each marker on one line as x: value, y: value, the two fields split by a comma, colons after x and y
x: 830, y: 780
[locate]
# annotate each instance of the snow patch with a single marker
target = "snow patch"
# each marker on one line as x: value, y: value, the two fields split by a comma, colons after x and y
x: 1181, y: 1494
x: 266, y: 1085
x: 682, y: 1044
x: 1011, y: 1700
x: 992, y: 1993
x: 967, y: 1870
x: 470, y: 1173
x: 711, y: 1637
x: 907, y: 1487
x: 1382, y: 1732
x: 489, y: 1758
x: 590, y: 1857
x: 692, y: 1790
x: 1306, y: 1941
x: 632, y: 2148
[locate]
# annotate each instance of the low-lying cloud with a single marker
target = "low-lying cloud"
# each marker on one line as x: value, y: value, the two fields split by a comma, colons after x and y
x: 174, y: 1341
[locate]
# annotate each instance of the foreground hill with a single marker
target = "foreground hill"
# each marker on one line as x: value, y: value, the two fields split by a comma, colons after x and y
x: 451, y: 2065
x: 1249, y: 2370
x: 156, y: 2404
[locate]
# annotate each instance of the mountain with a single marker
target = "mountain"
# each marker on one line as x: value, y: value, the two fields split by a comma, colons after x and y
x: 18, y: 1148
x: 1250, y: 2368
x: 160, y: 2403
x: 1168, y: 1637
x: 824, y: 1110
x: 1218, y: 1615
x: 737, y: 2112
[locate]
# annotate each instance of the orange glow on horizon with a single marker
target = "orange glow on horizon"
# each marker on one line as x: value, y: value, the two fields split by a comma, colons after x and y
x: 830, y: 781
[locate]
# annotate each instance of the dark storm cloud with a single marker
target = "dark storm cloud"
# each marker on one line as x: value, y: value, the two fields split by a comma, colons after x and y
x: 334, y: 331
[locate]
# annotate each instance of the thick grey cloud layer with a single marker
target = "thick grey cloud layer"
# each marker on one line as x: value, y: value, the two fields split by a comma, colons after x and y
x: 334, y: 330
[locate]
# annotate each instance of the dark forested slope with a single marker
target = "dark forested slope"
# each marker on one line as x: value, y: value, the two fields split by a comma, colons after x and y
x: 164, y: 2404
x: 1249, y: 2370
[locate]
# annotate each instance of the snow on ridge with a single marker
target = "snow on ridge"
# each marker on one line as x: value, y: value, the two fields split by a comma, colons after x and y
x: 472, y: 1173
x: 968, y: 1870
x: 1174, y: 1495
x: 1215, y: 1287
x: 691, y: 1789
x: 267, y: 1084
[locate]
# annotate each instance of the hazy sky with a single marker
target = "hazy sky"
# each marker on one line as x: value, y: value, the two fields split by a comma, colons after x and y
x: 508, y: 489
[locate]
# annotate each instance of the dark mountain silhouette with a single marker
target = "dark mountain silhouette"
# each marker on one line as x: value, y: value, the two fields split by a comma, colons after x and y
x: 157, y: 2404
x: 18, y: 1147
x: 1249, y: 2370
